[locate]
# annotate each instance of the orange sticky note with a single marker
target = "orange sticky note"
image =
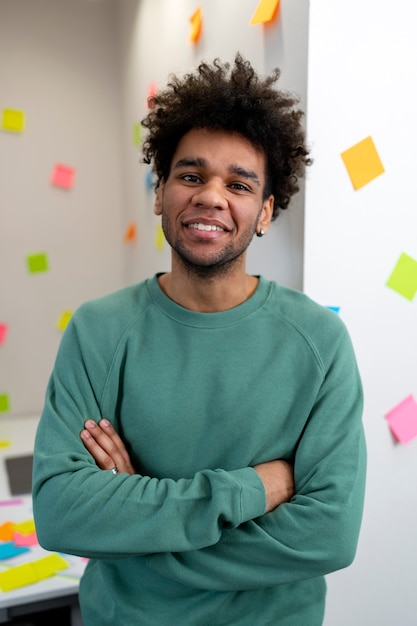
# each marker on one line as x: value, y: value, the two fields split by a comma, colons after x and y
x: 63, y: 176
x: 265, y: 12
x: 13, y: 121
x: 362, y: 163
x: 130, y: 234
x: 196, y: 25
x: 6, y: 531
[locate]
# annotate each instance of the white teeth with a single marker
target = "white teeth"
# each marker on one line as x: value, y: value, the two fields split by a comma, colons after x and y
x: 205, y: 227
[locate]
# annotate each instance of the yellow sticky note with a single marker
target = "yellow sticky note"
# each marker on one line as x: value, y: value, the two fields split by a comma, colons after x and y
x: 37, y: 262
x: 5, y: 443
x: 362, y: 163
x: 63, y: 320
x: 49, y: 565
x: 18, y: 576
x: 25, y: 528
x: 13, y: 120
x: 159, y: 237
x: 265, y: 11
x: 196, y: 24
x: 32, y: 572
x: 4, y: 403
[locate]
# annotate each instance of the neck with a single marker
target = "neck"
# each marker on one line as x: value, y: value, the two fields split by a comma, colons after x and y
x: 208, y: 293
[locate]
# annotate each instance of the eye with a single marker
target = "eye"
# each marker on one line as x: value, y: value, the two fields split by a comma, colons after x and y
x: 191, y: 178
x: 239, y: 187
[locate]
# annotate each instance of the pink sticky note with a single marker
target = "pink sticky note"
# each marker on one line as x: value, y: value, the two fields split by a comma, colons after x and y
x: 22, y: 540
x: 402, y: 420
x: 3, y: 332
x: 63, y: 176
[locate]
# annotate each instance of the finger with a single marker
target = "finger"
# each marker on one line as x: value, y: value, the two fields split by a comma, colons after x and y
x: 109, y: 449
x: 101, y: 457
x: 107, y: 427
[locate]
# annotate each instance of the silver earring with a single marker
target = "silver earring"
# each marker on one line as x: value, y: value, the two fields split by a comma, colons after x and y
x: 260, y: 233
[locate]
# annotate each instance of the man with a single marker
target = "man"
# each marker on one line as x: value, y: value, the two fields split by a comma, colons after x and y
x: 201, y: 441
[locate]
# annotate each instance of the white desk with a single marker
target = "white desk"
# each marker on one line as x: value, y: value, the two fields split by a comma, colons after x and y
x: 57, y: 591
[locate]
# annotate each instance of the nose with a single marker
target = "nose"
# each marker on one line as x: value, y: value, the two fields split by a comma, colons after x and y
x: 211, y: 195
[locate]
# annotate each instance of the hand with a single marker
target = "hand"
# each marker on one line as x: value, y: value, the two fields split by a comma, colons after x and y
x: 106, y: 447
x: 278, y: 480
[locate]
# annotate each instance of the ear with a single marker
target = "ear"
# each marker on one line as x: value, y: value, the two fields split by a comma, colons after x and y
x: 265, y: 218
x: 157, y: 207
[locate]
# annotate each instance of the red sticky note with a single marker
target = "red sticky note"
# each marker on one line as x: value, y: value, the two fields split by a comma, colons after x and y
x: 402, y: 420
x: 63, y: 176
x: 3, y: 332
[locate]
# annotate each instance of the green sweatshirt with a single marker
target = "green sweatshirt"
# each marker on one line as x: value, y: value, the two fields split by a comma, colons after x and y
x: 199, y: 398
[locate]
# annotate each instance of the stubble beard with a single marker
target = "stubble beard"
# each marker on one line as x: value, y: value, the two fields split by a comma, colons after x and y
x: 216, y: 265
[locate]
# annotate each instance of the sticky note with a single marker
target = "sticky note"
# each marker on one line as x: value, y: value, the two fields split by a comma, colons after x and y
x: 3, y: 332
x: 63, y: 176
x: 159, y: 237
x: 152, y: 89
x: 403, y: 278
x: 265, y: 11
x: 31, y: 572
x: 130, y: 234
x: 4, y: 403
x: 37, y: 262
x: 362, y: 163
x: 136, y: 134
x: 8, y: 550
x: 5, y: 443
x: 13, y: 120
x: 28, y: 526
x: 25, y: 540
x: 402, y: 420
x: 196, y: 25
x: 63, y: 320
x: 6, y: 531
x: 149, y: 180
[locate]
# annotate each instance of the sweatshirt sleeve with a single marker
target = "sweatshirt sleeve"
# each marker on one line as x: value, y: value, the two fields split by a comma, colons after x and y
x: 317, y: 531
x: 80, y: 509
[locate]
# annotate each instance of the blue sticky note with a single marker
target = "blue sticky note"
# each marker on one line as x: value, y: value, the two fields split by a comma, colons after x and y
x: 8, y: 550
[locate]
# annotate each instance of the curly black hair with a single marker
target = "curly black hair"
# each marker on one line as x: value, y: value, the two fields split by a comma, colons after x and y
x: 236, y: 99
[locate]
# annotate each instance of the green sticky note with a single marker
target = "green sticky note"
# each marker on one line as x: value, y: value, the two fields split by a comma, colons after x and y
x: 13, y: 120
x: 403, y: 278
x: 136, y: 134
x: 4, y: 403
x: 37, y: 262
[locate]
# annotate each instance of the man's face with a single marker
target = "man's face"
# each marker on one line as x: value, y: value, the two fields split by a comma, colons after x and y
x: 211, y: 203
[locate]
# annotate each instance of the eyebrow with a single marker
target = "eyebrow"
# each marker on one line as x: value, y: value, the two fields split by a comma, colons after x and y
x: 233, y: 169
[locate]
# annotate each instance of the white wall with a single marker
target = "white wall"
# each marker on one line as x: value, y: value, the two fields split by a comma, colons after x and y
x: 58, y: 63
x: 362, y: 68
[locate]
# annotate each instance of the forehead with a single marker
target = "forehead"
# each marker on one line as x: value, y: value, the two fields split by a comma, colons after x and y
x: 219, y: 148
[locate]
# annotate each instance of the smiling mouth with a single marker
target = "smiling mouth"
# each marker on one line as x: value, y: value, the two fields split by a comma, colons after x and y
x: 199, y: 226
